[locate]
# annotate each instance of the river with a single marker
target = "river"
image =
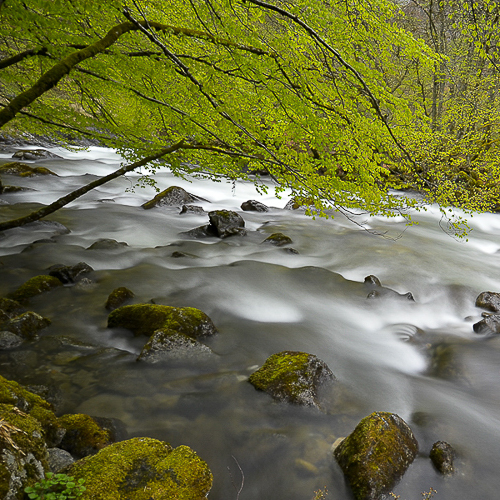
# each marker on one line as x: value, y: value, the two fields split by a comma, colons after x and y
x: 418, y: 359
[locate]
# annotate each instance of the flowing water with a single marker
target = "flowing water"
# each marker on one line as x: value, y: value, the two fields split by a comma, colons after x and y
x: 419, y: 359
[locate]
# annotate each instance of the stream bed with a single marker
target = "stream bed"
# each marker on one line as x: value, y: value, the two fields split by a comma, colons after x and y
x: 421, y: 359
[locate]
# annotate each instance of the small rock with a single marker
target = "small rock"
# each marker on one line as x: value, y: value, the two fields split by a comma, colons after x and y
x: 24, y: 170
x: 58, y: 459
x: 118, y: 297
x: 254, y: 206
x: 488, y: 325
x: 107, y: 244
x: 292, y: 376
x: 191, y: 209
x: 26, y: 325
x: 206, y: 231
x: 489, y: 301
x: 443, y: 455
x: 278, y: 239
x: 35, y: 154
x: 173, y: 196
x: 9, y: 340
x: 227, y: 223
x: 70, y: 274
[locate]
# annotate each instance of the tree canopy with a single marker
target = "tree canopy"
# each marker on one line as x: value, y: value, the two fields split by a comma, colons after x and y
x: 337, y: 100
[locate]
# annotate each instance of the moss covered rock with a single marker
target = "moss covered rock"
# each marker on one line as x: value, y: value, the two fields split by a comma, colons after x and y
x: 12, y: 393
x: 443, y: 455
x: 278, y: 239
x: 145, y: 319
x: 35, y: 286
x: 174, y: 196
x: 23, y: 170
x: 84, y: 435
x: 376, y: 454
x: 26, y: 325
x: 11, y: 308
x: 23, y: 452
x: 143, y: 469
x: 226, y: 223
x: 118, y: 297
x: 291, y: 376
x: 166, y: 345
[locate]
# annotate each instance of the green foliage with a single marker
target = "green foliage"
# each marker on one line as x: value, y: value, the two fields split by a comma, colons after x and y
x: 56, y: 487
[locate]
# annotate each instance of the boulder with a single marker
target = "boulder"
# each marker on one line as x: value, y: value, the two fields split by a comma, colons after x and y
x: 23, y: 452
x: 173, y: 196
x: 488, y: 325
x: 35, y: 286
x: 254, y: 206
x: 107, y: 244
x: 278, y: 239
x: 376, y: 454
x: 489, y: 301
x: 70, y: 274
x: 227, y: 223
x: 26, y: 325
x: 443, y: 455
x: 167, y: 344
x: 23, y: 170
x: 292, y: 376
x: 118, y: 297
x: 143, y: 468
x: 145, y: 319
x: 84, y: 435
x: 35, y: 154
x: 191, y: 209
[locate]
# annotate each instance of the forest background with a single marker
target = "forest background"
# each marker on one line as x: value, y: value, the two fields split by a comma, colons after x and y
x: 339, y: 101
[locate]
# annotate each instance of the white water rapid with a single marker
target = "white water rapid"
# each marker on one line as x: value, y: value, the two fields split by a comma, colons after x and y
x: 419, y: 359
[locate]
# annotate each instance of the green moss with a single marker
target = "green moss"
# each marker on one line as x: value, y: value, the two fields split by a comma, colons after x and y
x: 24, y: 452
x: 291, y: 376
x: 376, y: 454
x: 23, y: 170
x: 118, y: 297
x: 26, y: 325
x: 84, y: 436
x: 143, y: 469
x: 35, y: 286
x: 278, y: 239
x: 144, y: 319
x: 10, y: 307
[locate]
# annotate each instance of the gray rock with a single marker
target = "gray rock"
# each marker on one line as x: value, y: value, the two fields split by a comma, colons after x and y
x: 70, y: 274
x: 9, y: 340
x: 254, y: 206
x: 191, y: 209
x: 488, y: 325
x: 173, y: 196
x: 107, y: 244
x: 489, y: 301
x: 227, y: 223
x: 58, y: 459
x: 35, y: 154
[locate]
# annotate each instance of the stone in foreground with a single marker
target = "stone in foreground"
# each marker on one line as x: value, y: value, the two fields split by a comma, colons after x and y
x: 292, y: 376
x: 143, y: 469
x: 443, y: 455
x: 489, y: 301
x: 376, y: 454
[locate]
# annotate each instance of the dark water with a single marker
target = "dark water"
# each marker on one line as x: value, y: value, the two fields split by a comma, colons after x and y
x: 387, y: 354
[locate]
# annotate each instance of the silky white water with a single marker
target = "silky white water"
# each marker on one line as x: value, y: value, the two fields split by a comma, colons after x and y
x: 386, y: 353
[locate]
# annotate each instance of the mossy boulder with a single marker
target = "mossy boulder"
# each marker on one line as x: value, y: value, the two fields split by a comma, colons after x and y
x: 443, y: 456
x: 145, y: 319
x: 23, y: 170
x: 143, y: 469
x: 489, y: 301
x: 292, y: 376
x: 118, y: 297
x: 23, y: 452
x: 35, y: 286
x: 278, y: 239
x: 84, y: 435
x: 376, y: 454
x: 169, y: 345
x: 26, y: 325
x: 12, y: 393
x: 226, y: 223
x: 174, y: 196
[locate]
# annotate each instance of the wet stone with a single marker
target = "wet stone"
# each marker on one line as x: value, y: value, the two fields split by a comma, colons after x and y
x: 443, y: 455
x: 227, y: 223
x: 191, y: 209
x: 9, y: 340
x: 489, y: 325
x: 107, y: 244
x: 70, y: 274
x: 118, y: 297
x: 278, y: 239
x: 254, y: 206
x: 174, y: 196
x: 35, y: 154
x: 489, y: 301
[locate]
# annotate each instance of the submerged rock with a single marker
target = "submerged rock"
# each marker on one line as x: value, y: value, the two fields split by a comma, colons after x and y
x: 70, y: 274
x: 227, y: 223
x: 206, y: 231
x: 443, y: 455
x: 278, y: 239
x: 376, y: 454
x: 169, y: 344
x: 23, y: 170
x: 142, y: 469
x: 254, y: 206
x: 35, y: 286
x: 10, y: 307
x: 292, y: 376
x: 35, y: 154
x: 23, y: 452
x: 489, y: 301
x: 145, y: 319
x: 84, y: 436
x: 191, y: 209
x: 174, y: 196
x: 379, y: 291
x: 26, y: 325
x: 107, y: 244
x: 118, y: 297
x: 9, y: 340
